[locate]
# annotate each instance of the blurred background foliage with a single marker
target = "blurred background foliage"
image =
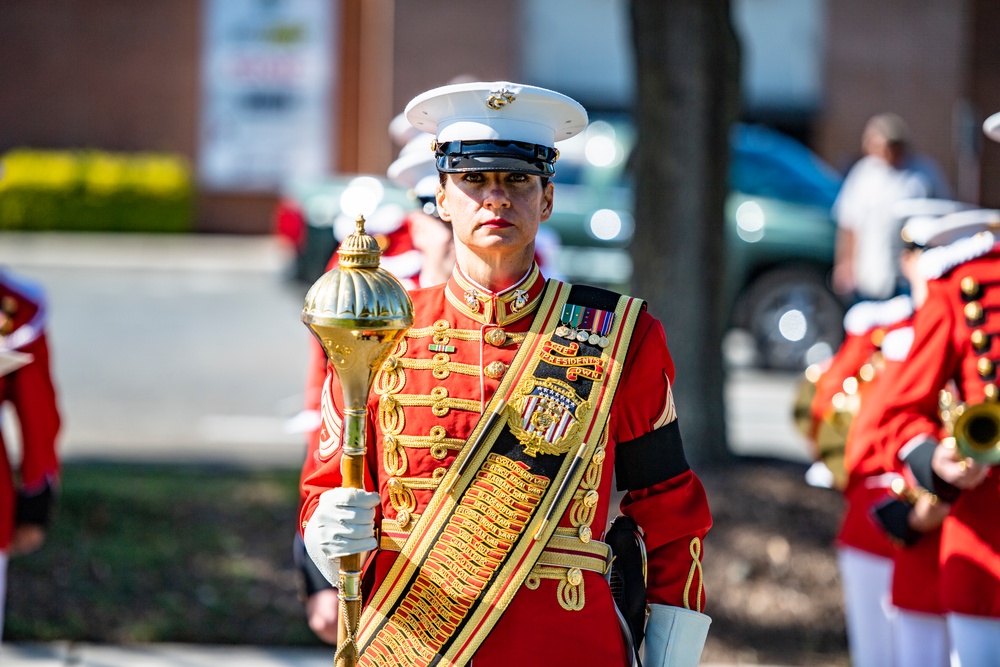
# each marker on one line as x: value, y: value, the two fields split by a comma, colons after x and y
x: 90, y: 190
x: 179, y: 553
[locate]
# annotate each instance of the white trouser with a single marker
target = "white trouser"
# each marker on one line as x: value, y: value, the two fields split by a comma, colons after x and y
x: 975, y: 640
x: 921, y: 639
x: 867, y: 582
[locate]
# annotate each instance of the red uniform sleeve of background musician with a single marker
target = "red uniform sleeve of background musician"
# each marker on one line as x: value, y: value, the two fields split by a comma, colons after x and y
x: 322, y: 472
x: 910, y: 389
x: 315, y: 379
x: 673, y: 514
x: 31, y: 392
x: 854, y: 353
x: 863, y: 452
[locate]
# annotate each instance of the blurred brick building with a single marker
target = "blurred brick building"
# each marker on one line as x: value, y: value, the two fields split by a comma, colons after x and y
x: 124, y: 75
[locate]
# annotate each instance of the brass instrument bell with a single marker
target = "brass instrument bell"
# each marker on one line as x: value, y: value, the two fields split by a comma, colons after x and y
x: 977, y: 433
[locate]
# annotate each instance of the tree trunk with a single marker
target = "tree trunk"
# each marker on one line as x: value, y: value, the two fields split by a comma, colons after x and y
x: 687, y: 63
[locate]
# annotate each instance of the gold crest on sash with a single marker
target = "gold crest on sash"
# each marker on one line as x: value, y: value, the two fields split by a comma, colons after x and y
x: 545, y: 415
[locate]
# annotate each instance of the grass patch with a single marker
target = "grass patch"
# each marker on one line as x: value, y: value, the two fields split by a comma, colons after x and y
x: 143, y: 553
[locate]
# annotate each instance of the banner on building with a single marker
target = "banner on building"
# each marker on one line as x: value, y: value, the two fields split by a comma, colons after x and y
x: 267, y: 74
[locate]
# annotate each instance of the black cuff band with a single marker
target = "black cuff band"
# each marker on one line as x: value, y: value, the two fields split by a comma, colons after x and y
x: 34, y: 509
x: 893, y: 517
x: 650, y: 459
x: 919, y: 461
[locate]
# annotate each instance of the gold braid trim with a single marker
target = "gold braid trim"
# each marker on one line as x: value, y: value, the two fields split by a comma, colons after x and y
x: 441, y: 366
x: 389, y: 381
x: 438, y: 401
x: 401, y: 494
x: 437, y: 441
x: 442, y: 332
x: 423, y: 482
x: 695, y: 550
x: 570, y: 592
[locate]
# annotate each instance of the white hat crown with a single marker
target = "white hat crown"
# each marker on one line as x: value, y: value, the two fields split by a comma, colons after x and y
x: 497, y: 111
x: 991, y: 127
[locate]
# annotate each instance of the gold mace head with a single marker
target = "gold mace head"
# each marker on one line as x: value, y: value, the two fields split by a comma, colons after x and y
x: 358, y: 312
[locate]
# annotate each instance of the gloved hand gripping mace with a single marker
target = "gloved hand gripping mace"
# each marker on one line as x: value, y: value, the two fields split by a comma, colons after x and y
x: 358, y: 312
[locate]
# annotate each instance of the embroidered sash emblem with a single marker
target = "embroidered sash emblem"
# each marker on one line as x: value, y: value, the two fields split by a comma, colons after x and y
x: 545, y: 415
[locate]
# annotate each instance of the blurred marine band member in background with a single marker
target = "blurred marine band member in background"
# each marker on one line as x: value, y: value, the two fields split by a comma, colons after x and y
x: 957, y: 340
x: 26, y: 493
x: 573, y: 385
x: 844, y: 411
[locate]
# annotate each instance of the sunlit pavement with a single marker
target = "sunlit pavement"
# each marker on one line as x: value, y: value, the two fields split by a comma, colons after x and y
x: 61, y: 654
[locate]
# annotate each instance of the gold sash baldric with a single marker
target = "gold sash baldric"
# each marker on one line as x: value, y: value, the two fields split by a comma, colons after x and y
x: 499, y: 503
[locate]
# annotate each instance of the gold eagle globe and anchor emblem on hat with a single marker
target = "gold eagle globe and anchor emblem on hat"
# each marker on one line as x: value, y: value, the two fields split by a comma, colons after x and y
x: 499, y: 98
x: 545, y: 415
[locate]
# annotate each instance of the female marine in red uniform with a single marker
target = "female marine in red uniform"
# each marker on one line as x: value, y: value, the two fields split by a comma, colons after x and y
x: 496, y: 152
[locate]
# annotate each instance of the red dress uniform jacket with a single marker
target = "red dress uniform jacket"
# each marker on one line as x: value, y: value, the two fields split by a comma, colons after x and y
x: 854, y: 374
x: 30, y: 391
x: 868, y: 478
x: 915, y: 575
x: 963, y: 306
x: 430, y: 394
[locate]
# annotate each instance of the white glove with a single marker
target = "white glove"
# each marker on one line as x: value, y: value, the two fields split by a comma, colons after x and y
x: 674, y: 637
x: 343, y: 524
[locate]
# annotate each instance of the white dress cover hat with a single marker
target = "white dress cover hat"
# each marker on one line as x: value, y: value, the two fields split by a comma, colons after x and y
x: 991, y: 126
x: 416, y: 169
x: 496, y: 126
x: 923, y: 217
x: 955, y: 226
x: 415, y: 165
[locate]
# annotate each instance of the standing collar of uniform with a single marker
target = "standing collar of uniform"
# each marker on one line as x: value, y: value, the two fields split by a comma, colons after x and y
x: 500, y: 308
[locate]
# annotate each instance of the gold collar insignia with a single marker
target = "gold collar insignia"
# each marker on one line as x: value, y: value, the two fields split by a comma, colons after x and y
x: 514, y: 303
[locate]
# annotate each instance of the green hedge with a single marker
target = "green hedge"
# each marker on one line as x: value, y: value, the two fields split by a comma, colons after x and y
x: 95, y: 191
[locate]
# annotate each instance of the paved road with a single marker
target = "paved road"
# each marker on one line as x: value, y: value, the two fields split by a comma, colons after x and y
x: 171, y: 348
x: 61, y: 654
x: 64, y: 654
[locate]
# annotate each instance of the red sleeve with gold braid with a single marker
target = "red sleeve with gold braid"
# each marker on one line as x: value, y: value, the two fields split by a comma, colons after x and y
x: 673, y: 513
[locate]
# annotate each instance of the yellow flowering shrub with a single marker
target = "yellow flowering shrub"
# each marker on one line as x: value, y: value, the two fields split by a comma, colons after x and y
x: 94, y: 190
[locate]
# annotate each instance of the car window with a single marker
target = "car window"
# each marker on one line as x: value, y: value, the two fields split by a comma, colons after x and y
x: 766, y: 164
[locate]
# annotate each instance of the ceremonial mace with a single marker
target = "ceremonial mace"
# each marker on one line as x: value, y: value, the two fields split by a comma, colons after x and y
x: 358, y: 312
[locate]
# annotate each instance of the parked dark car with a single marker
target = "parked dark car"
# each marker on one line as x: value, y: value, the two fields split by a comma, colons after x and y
x: 779, y: 233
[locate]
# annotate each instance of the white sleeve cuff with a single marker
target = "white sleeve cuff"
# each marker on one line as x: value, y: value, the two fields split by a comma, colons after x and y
x: 674, y: 637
